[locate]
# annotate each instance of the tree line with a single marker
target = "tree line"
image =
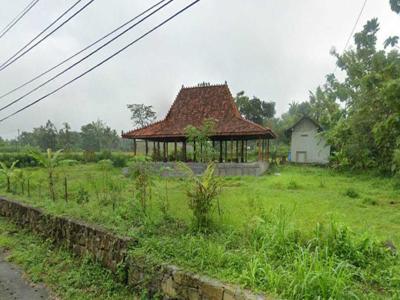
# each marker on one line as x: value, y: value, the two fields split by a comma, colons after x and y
x: 95, y: 136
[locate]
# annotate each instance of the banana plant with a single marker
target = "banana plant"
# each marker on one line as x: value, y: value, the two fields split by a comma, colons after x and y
x: 8, y: 172
x: 48, y: 160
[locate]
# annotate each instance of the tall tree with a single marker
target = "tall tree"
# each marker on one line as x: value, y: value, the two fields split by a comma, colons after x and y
x: 368, y: 130
x: 253, y: 109
x: 97, y: 136
x: 68, y: 139
x: 141, y: 114
x: 46, y: 136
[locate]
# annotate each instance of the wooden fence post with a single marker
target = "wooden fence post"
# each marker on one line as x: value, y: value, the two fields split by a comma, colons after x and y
x: 65, y: 189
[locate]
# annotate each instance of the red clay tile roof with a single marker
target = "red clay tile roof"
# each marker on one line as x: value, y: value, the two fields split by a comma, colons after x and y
x: 195, y: 104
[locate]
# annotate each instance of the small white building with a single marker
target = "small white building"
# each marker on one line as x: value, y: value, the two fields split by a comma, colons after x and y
x: 307, y: 144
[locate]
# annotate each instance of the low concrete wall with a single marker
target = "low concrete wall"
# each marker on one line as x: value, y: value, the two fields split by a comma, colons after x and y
x: 112, y: 251
x: 171, y: 169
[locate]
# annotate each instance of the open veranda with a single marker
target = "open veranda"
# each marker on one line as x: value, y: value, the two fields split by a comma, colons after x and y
x: 296, y: 232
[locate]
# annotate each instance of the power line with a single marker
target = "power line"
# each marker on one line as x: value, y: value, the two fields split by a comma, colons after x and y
x: 20, y: 53
x: 355, y: 25
x: 80, y: 51
x: 102, y: 62
x: 43, y: 31
x: 353, y: 29
x: 14, y: 21
x: 85, y: 57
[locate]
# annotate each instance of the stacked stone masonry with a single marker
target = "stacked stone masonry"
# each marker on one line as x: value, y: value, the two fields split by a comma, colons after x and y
x: 112, y: 252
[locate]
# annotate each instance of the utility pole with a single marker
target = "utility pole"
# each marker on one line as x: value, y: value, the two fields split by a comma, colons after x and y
x: 18, y: 140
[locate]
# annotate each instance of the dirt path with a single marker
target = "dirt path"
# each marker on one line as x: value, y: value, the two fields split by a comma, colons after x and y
x: 14, y: 287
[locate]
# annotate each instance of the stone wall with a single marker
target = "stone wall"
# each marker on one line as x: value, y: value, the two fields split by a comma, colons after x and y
x: 112, y: 251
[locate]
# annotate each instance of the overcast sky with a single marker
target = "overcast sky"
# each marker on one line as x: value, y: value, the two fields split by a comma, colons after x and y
x: 277, y: 50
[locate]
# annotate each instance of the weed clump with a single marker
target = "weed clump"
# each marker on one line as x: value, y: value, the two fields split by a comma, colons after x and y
x: 370, y: 201
x: 293, y: 185
x: 351, y: 193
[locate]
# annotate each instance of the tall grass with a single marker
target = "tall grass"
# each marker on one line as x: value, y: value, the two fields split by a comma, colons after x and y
x: 270, y: 255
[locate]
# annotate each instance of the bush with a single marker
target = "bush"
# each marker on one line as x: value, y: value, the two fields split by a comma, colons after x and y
x: 89, y: 156
x: 352, y: 193
x: 24, y: 159
x: 82, y: 195
x: 202, y: 192
x: 292, y: 185
x: 370, y: 201
x: 119, y: 160
x: 105, y: 154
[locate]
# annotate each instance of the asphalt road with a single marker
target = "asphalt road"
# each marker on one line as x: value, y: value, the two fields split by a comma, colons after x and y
x: 14, y: 287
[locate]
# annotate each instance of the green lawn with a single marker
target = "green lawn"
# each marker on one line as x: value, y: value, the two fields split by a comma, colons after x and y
x: 266, y: 236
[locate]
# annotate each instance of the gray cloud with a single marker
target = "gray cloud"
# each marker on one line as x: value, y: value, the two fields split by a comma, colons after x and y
x: 276, y: 50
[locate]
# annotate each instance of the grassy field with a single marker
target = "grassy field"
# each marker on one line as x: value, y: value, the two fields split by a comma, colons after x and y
x: 299, y: 232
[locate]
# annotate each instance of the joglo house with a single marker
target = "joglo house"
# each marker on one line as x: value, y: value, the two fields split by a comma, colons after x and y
x: 193, y: 105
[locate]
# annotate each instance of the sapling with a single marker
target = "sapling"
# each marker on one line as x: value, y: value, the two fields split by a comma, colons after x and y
x: 202, y: 192
x: 143, y: 182
x: 20, y: 179
x: 49, y: 161
x: 163, y: 197
x: 115, y: 188
x: 204, y: 152
x: 8, y: 172
x: 105, y: 167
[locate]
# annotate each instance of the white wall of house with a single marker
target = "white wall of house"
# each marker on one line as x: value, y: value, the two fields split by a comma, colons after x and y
x: 307, y: 145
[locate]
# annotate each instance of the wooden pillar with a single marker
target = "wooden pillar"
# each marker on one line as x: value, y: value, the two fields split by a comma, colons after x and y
x: 213, y: 150
x: 134, y: 147
x: 267, y: 151
x: 262, y: 149
x: 226, y: 151
x: 201, y: 152
x: 237, y: 150
x: 163, y: 151
x: 154, y: 150
x: 245, y: 151
x: 147, y: 147
x: 184, y: 151
x: 166, y: 151
x: 242, y: 151
x: 194, y: 151
x: 175, y: 151
x: 158, y: 151
x: 259, y: 150
x: 220, y: 152
x: 231, y: 150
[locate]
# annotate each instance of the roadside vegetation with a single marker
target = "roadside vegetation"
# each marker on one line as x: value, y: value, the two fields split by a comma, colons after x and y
x: 300, y: 232
x: 66, y: 276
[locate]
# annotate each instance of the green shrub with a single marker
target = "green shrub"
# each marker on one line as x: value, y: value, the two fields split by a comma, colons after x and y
x: 68, y: 162
x: 24, y: 159
x: 143, y: 180
x: 119, y: 160
x: 202, y: 192
x: 89, y: 156
x: 352, y: 193
x: 77, y: 156
x: 370, y: 201
x: 105, y: 154
x: 292, y: 185
x: 82, y: 195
